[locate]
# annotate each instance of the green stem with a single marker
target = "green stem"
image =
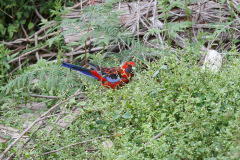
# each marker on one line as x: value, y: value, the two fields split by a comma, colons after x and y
x: 166, y: 24
x: 232, y: 15
x: 2, y: 70
x: 188, y: 19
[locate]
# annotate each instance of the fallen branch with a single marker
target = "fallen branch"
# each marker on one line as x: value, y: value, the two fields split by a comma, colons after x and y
x: 43, y: 96
x: 54, y: 151
x: 81, y: 52
x: 32, y: 40
x: 27, y: 53
x: 78, y: 5
x: 38, y: 119
x: 155, y: 137
x: 158, y: 136
x: 11, y: 73
x: 25, y: 32
x: 29, y: 40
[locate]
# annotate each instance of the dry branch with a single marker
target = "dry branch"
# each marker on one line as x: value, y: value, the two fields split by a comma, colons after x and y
x: 38, y: 119
x: 158, y: 136
x: 43, y: 96
x: 25, y: 54
x: 54, y: 151
x: 21, y: 40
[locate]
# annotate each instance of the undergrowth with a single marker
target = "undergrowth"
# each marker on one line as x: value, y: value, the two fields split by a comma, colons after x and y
x: 195, y: 111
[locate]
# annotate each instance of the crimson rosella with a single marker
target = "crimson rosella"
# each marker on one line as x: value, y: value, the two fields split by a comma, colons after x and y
x: 109, y: 77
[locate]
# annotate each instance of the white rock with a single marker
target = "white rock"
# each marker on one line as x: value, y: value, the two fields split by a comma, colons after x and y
x: 213, y: 61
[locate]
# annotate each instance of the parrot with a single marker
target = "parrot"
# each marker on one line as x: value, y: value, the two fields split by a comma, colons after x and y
x: 114, y: 77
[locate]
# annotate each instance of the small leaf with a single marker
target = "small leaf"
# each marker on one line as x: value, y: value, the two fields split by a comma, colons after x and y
x: 127, y: 115
x: 23, y: 21
x: 117, y: 135
x: 222, y: 1
x: 116, y: 116
x: 30, y: 25
x: 26, y: 14
x: 19, y: 15
x: 2, y: 29
x: 3, y: 145
x: 164, y: 67
x: 154, y: 75
x: 163, y: 116
x: 11, y: 30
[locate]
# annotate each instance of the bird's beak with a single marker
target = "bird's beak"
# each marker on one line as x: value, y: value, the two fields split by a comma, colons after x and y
x: 133, y: 68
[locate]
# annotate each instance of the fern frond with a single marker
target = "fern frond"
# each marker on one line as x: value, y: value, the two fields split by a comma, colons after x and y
x: 52, y: 77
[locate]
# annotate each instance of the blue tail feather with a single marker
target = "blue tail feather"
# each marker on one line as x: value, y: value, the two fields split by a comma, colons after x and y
x: 81, y: 70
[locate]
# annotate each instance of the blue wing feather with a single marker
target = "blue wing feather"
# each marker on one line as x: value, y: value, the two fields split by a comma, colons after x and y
x: 109, y: 79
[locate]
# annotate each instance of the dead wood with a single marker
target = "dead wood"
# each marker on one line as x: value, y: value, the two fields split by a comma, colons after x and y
x: 78, y: 143
x: 146, y: 14
x: 35, y: 122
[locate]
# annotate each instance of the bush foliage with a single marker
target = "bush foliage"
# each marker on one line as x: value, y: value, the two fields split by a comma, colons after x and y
x: 195, y: 111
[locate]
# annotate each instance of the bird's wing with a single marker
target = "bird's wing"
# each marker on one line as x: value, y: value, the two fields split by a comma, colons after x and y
x: 111, y: 74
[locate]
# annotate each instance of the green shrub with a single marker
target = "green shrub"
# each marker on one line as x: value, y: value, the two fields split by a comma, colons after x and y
x: 195, y: 111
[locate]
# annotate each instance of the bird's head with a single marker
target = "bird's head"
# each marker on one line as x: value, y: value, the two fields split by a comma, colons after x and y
x: 129, y: 66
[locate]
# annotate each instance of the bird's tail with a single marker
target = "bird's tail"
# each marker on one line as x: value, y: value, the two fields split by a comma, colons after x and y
x: 81, y: 70
x: 74, y: 67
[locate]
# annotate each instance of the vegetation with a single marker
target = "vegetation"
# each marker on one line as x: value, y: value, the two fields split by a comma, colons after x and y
x: 173, y: 108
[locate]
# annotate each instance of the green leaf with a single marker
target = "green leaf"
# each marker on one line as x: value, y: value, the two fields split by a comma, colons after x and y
x: 2, y: 29
x: 3, y: 145
x: 11, y: 30
x: 30, y: 25
x: 164, y: 67
x: 222, y: 1
x: 23, y: 21
x: 26, y: 14
x: 19, y: 15
x: 127, y: 115
x: 163, y: 116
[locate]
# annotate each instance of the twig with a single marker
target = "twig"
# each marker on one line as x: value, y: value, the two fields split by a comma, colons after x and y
x: 10, y: 74
x: 36, y: 33
x: 149, y: 8
x: 77, y: 5
x: 41, y: 126
x: 43, y: 96
x: 27, y: 53
x: 19, y: 62
x: 155, y: 137
x: 15, y: 51
x: 25, y: 32
x: 36, y: 43
x: 30, y: 40
x: 10, y: 156
x: 6, y: 13
x: 54, y: 151
x: 158, y: 136
x: 38, y: 14
x: 38, y: 119
x: 81, y: 52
